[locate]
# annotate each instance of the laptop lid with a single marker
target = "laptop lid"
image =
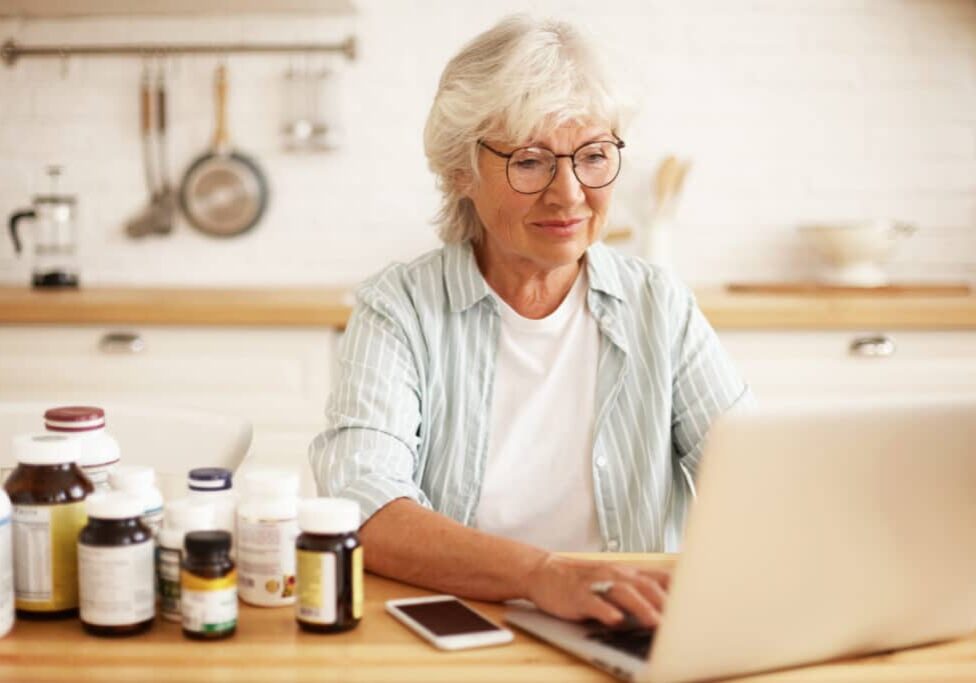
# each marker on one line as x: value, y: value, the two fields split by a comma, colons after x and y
x: 821, y: 532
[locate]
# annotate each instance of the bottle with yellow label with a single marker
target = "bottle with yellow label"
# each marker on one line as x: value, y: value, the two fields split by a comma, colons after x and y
x: 329, y: 566
x: 47, y: 491
x: 208, y: 586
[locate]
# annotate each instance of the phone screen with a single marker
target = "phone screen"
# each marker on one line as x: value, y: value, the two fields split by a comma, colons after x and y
x: 447, y: 617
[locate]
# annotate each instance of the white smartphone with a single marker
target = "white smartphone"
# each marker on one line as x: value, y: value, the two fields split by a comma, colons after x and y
x: 447, y: 622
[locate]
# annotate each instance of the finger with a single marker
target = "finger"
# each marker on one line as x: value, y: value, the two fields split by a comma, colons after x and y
x: 601, y: 610
x: 628, y: 597
x: 662, y: 576
x: 651, y: 590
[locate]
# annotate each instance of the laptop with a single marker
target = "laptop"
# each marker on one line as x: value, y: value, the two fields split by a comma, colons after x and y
x: 817, y: 533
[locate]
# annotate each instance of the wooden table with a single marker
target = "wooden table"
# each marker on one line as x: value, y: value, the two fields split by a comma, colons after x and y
x: 269, y: 648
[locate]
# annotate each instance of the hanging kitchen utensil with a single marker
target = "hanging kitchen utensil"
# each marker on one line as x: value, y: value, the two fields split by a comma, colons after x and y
x: 166, y: 199
x: 148, y: 220
x: 224, y: 192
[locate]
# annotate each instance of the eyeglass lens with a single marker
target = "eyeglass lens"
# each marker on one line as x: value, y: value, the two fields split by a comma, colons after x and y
x: 530, y: 169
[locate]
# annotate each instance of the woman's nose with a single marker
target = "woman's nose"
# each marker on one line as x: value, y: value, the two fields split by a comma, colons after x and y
x: 565, y: 189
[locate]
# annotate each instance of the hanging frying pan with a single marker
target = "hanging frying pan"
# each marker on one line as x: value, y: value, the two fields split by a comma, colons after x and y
x: 224, y: 192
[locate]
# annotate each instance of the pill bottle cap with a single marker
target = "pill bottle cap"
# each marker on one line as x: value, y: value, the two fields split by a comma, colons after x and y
x: 74, y: 418
x: 45, y: 449
x: 210, y: 542
x: 270, y: 482
x: 113, y: 505
x: 209, y: 479
x: 328, y: 515
x: 132, y: 477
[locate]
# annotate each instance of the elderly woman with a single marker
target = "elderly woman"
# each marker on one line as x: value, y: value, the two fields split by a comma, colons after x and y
x: 524, y: 389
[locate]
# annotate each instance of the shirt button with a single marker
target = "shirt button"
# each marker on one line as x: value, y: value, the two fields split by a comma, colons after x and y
x: 613, y: 544
x: 601, y: 462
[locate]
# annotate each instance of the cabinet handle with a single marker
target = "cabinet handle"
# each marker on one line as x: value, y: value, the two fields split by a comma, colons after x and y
x: 121, y: 342
x: 876, y: 346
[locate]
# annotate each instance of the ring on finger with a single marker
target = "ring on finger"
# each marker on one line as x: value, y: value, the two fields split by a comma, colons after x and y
x: 601, y: 588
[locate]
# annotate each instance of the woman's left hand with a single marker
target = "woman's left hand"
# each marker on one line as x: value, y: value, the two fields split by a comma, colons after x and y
x: 579, y: 589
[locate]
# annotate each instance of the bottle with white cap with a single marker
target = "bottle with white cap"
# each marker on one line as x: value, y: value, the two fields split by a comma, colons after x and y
x: 329, y: 565
x: 140, y: 481
x: 6, y: 566
x: 215, y: 485
x: 180, y: 517
x: 116, y: 567
x: 267, y: 525
x: 99, y: 449
x: 47, y: 492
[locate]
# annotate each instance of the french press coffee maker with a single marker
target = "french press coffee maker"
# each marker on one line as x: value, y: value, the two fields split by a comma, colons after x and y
x: 55, y: 236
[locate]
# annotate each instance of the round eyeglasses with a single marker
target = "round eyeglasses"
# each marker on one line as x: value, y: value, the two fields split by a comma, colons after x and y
x: 531, y: 170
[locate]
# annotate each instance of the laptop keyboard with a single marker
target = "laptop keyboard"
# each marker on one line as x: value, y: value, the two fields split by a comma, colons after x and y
x: 634, y: 641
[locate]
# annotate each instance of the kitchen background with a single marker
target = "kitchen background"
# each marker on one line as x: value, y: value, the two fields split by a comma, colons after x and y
x: 791, y: 111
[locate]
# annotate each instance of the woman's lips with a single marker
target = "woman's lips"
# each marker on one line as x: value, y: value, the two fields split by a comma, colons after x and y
x: 560, y: 228
x: 558, y: 224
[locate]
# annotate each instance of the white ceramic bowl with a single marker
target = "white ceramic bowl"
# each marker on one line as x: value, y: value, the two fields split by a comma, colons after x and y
x: 855, y: 252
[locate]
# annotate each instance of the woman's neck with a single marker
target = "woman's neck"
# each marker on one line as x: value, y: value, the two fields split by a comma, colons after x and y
x: 532, y: 291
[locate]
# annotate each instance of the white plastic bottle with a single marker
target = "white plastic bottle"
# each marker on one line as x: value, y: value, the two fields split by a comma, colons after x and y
x: 99, y: 449
x: 267, y: 526
x: 140, y: 481
x: 179, y: 518
x: 215, y: 485
x: 6, y: 566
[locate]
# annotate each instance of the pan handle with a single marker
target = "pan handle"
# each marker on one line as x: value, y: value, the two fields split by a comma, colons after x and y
x: 220, y: 91
x: 145, y: 105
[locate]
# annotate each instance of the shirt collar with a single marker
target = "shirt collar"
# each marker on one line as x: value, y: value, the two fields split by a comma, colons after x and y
x: 602, y: 271
x: 464, y: 282
x: 466, y: 286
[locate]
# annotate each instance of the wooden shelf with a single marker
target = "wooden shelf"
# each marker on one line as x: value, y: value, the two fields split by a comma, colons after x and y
x: 60, y: 9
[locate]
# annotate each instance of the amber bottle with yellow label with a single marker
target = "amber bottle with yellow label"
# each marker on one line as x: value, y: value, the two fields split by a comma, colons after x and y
x: 329, y: 566
x: 47, y: 491
x: 208, y: 586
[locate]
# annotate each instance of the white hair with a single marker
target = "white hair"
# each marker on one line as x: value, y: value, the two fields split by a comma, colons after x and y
x: 514, y: 81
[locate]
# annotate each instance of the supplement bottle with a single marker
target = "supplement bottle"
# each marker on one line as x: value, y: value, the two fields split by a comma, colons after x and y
x: 329, y: 566
x: 267, y: 526
x: 208, y: 586
x: 47, y: 491
x: 214, y: 485
x: 180, y: 516
x: 140, y: 481
x: 115, y: 567
x: 99, y: 450
x: 6, y: 566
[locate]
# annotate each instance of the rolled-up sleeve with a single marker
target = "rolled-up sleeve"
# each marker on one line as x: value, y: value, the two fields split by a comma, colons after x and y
x: 706, y: 383
x: 369, y: 449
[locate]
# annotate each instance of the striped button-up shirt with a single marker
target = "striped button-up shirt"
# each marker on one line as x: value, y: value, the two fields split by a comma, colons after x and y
x: 409, y: 414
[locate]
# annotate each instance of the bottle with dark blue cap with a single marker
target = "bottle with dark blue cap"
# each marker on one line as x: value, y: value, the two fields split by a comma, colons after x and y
x: 214, y: 485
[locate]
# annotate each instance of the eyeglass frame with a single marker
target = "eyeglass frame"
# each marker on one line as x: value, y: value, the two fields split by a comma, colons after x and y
x: 618, y: 143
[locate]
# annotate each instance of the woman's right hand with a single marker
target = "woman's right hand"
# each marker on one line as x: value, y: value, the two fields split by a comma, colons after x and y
x: 562, y: 587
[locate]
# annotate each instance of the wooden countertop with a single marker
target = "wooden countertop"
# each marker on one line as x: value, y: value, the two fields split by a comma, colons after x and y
x: 269, y: 646
x: 331, y: 307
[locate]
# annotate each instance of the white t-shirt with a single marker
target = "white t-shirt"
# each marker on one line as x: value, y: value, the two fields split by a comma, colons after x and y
x: 538, y: 485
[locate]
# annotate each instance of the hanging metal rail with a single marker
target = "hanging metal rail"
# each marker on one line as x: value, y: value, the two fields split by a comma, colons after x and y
x: 11, y: 51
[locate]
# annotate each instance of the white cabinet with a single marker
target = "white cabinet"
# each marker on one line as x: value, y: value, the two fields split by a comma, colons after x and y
x: 790, y: 366
x: 278, y: 378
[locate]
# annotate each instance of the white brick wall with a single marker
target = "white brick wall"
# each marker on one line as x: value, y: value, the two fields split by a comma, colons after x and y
x: 793, y: 110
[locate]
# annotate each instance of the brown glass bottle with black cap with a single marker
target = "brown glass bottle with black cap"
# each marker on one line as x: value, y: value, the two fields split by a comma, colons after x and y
x: 116, y: 567
x: 208, y: 586
x: 47, y: 491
